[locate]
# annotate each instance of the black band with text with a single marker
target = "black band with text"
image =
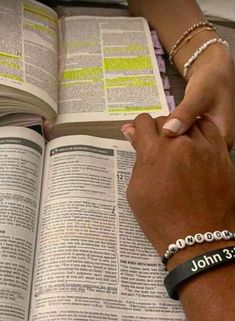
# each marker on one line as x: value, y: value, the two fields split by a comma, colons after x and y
x: 197, y: 265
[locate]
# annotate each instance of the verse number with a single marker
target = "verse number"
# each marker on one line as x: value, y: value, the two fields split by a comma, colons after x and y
x: 228, y: 254
x: 120, y: 176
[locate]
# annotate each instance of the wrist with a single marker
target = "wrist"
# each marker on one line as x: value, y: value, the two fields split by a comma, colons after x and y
x: 210, y: 295
x: 213, y: 57
x: 197, y: 249
x: 215, y: 52
x: 215, y: 285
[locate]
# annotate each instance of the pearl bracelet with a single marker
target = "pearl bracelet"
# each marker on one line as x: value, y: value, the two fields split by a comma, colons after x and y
x: 197, y: 53
x: 197, y: 238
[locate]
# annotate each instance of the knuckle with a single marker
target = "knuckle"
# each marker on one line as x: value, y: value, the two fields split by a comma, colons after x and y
x: 183, y: 142
x: 184, y: 147
x: 142, y: 117
x: 161, y: 119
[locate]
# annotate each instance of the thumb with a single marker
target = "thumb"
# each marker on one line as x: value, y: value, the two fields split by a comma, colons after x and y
x: 182, y: 118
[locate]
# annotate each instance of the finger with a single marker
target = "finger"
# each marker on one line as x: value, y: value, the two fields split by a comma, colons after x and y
x: 160, y: 121
x: 224, y: 121
x: 145, y: 132
x: 229, y: 137
x: 193, y: 131
x: 185, y: 114
x: 127, y: 125
x: 210, y: 131
x: 128, y: 131
x: 195, y: 134
x: 228, y: 133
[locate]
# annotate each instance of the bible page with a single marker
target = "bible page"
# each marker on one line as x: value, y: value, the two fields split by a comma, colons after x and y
x: 21, y: 163
x: 29, y: 53
x: 108, y: 70
x: 93, y: 262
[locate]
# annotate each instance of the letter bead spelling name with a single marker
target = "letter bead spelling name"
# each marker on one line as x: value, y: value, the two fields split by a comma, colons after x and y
x: 218, y: 235
x: 189, y: 240
x: 180, y: 243
x: 209, y: 237
x: 197, y: 238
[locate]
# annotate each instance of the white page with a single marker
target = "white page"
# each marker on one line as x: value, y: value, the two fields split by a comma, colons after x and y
x: 21, y: 163
x: 93, y: 262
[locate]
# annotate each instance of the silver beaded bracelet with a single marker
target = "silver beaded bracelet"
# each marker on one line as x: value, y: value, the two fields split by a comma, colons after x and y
x: 197, y: 53
x: 197, y: 238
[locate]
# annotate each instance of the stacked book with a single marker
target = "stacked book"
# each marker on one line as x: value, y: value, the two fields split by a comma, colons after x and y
x: 70, y: 247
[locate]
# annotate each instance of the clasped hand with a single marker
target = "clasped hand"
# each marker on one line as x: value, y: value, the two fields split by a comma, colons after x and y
x: 182, y: 185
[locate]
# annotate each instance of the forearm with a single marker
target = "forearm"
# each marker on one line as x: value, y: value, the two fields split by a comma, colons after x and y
x: 211, y: 77
x: 171, y: 19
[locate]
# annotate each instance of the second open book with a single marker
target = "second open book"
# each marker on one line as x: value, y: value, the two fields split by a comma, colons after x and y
x: 81, y: 69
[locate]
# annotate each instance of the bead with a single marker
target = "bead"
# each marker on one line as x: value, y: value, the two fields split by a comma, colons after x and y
x: 167, y: 254
x: 217, y: 235
x: 226, y: 235
x: 209, y: 237
x: 185, y: 34
x: 190, y: 240
x: 180, y: 243
x: 199, y: 238
x: 173, y: 248
x: 195, y: 55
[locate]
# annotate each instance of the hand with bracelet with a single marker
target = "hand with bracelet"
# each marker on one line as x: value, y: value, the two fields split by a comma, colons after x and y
x: 185, y: 186
x: 210, y: 76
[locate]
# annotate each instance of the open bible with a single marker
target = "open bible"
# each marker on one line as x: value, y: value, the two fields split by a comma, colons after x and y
x: 70, y: 247
x: 82, y: 72
x: 75, y: 251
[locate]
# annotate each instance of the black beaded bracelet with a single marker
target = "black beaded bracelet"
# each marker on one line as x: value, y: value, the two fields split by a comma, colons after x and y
x: 197, y: 265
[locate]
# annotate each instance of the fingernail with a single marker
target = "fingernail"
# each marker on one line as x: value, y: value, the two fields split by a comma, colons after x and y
x: 127, y: 136
x: 126, y: 126
x: 173, y: 125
